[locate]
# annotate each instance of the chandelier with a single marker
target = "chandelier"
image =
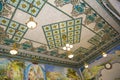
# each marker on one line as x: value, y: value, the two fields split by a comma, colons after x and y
x: 104, y: 54
x: 86, y: 65
x: 31, y: 24
x: 14, y: 50
x: 67, y: 47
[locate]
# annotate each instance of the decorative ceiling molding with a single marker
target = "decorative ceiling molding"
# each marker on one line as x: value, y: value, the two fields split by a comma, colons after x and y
x: 4, y: 50
x: 112, y: 9
x: 110, y: 44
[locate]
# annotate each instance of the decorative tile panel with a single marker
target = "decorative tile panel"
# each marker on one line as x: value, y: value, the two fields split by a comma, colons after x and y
x: 19, y: 33
x: 33, y: 11
x: 14, y: 24
x: 94, y: 41
x: 17, y: 39
x: 4, y: 21
x: 24, y: 6
x: 33, y: 7
x: 22, y: 28
x: 14, y: 28
x: 54, y: 33
x: 111, y: 8
x: 10, y: 31
x: 13, y: 2
x: 38, y: 3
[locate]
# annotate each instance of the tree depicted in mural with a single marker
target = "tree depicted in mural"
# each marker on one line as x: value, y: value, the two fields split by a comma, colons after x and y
x: 72, y: 74
x: 91, y: 73
x: 15, y: 70
x: 54, y: 76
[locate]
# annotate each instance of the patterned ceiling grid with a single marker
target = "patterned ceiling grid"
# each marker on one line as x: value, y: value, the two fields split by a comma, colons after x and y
x: 55, y: 32
x: 83, y: 27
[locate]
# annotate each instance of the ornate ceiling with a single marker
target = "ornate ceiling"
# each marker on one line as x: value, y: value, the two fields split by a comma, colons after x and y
x: 89, y: 25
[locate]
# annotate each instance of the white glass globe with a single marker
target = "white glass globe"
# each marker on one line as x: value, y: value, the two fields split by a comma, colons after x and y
x: 67, y: 45
x: 64, y: 48
x: 70, y: 56
x: 71, y: 46
x: 31, y: 24
x: 13, y: 51
x: 86, y: 65
x: 104, y: 55
x: 68, y: 49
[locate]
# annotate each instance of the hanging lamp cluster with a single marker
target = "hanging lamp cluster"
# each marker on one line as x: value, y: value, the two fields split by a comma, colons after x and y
x: 14, y: 50
x: 31, y: 24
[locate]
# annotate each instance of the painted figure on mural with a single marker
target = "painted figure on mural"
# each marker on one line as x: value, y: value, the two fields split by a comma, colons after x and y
x: 35, y: 73
x: 14, y: 71
x: 31, y: 75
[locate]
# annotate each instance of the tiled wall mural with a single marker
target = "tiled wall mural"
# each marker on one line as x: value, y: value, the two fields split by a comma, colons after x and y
x: 23, y: 70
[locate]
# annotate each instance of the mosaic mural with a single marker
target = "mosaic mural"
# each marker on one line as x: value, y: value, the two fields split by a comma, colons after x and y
x: 22, y: 70
x: 11, y: 69
x: 61, y: 73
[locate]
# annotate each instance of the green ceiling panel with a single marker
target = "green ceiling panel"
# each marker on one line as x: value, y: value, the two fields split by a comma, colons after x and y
x: 13, y: 2
x: 19, y: 33
x: 11, y: 31
x: 62, y: 24
x: 33, y: 11
x: 4, y: 21
x: 17, y: 39
x: 17, y: 30
x: 14, y: 25
x: 22, y: 28
x: 24, y: 6
x: 33, y: 7
x: 38, y: 3
x: 54, y: 33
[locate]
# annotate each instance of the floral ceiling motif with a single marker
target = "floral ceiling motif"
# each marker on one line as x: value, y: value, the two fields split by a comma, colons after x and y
x: 5, y: 9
